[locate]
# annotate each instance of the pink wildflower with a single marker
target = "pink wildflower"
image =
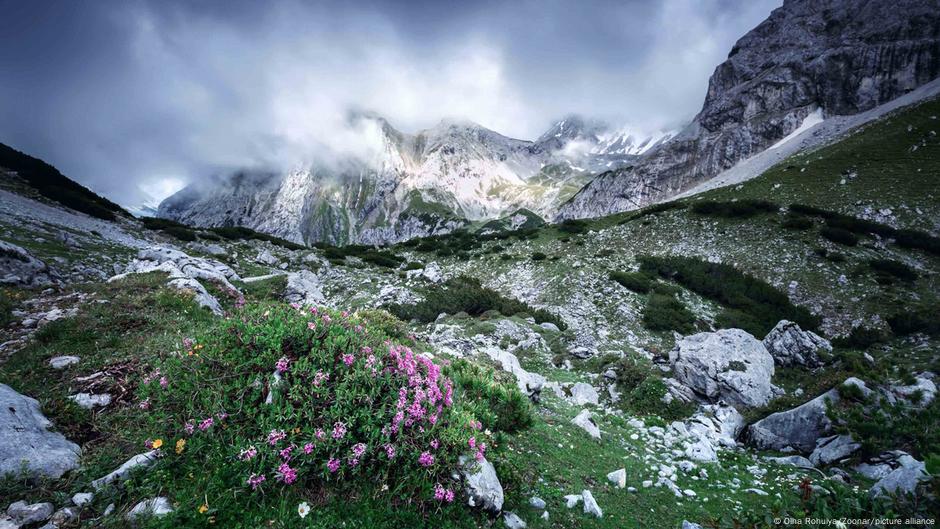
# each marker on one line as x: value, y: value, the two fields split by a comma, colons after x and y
x: 311, y: 325
x: 320, y: 434
x: 248, y: 454
x: 308, y: 448
x: 390, y: 451
x: 189, y: 427
x: 275, y: 435
x: 144, y: 404
x: 333, y: 464
x: 435, y: 444
x: 255, y: 480
x: 286, y: 452
x: 164, y: 382
x: 426, y: 459
x: 320, y: 377
x: 358, y: 449
x: 206, y: 424
x: 287, y: 474
x: 339, y: 430
x: 282, y: 365
x: 472, y: 442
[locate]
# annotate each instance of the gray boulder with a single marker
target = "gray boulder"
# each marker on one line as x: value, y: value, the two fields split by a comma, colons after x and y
x: 513, y: 521
x: 26, y: 442
x: 61, y: 362
x: 793, y: 461
x: 729, y: 364
x: 903, y: 478
x: 90, y: 400
x: 19, y: 267
x: 304, y: 287
x: 155, y: 507
x: 590, y: 504
x: 26, y: 514
x: 584, y: 421
x: 923, y: 386
x: 583, y: 393
x: 800, y: 427
x: 121, y: 473
x: 790, y: 345
x: 833, y: 448
x: 483, y: 486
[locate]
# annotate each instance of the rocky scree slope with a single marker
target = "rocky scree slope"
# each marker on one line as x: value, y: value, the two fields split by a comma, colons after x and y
x: 837, y: 57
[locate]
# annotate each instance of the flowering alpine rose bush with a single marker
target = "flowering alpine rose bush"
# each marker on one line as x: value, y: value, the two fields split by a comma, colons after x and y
x: 283, y: 398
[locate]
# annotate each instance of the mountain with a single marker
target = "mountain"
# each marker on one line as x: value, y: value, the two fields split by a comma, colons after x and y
x: 434, y: 181
x: 810, y: 57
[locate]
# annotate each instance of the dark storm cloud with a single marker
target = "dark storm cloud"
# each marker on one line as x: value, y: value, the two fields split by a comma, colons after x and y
x: 135, y: 98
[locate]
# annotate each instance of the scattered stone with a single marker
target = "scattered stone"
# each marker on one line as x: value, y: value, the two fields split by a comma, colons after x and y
x: 790, y: 345
x: 537, y: 503
x: 156, y: 507
x: 586, y: 423
x: 759, y: 492
x: 65, y: 517
x: 590, y: 505
x: 61, y: 362
x: 729, y: 364
x: 583, y: 393
x: 26, y: 514
x: 618, y: 478
x: 19, y: 267
x: 483, y: 486
x: 139, y: 461
x: 572, y: 500
x: 265, y: 257
x: 304, y: 287
x: 834, y: 448
x: 689, y: 525
x: 26, y: 442
x: 90, y: 400
x: 923, y: 386
x: 83, y: 498
x: 647, y: 484
x: 513, y: 521
x: 793, y: 461
x: 549, y: 326
x: 631, y: 489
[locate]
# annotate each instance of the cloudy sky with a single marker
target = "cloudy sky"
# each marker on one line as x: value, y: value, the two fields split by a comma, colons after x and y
x: 135, y: 98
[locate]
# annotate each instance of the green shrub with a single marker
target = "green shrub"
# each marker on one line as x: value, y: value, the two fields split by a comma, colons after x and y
x: 466, y: 294
x: 795, y: 222
x: 647, y: 399
x: 666, y: 313
x: 763, y: 304
x: 413, y: 265
x: 893, y: 268
x: 539, y: 256
x: 347, y: 410
x: 631, y: 371
x: 573, y: 226
x: 839, y: 235
x: 917, y: 240
x: 916, y: 320
x: 862, y: 337
x: 241, y: 233
x: 183, y: 234
x: 887, y: 426
x: 655, y: 208
x: 6, y: 308
x: 636, y: 281
x: 734, y: 209
x: 906, y: 238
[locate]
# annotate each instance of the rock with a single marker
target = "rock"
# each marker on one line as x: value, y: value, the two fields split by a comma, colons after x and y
x: 831, y: 449
x: 729, y: 364
x: 265, y: 257
x: 537, y: 503
x: 583, y: 393
x: 91, y: 400
x: 26, y: 442
x: 790, y: 345
x: 549, y: 326
x: 582, y: 352
x: 702, y: 451
x: 759, y: 492
x: 432, y: 272
x: 156, y: 507
x: 65, y: 517
x: 26, y: 514
x: 571, y: 500
x: 139, y: 461
x: 304, y: 287
x: 83, y: 498
x: 61, y: 362
x: 545, y: 515
x: 483, y: 486
x: 689, y: 525
x: 513, y: 521
x: 618, y: 478
x: 923, y: 387
x: 793, y: 461
x: 19, y: 267
x: 906, y: 472
x: 200, y: 294
x: 529, y: 383
x: 800, y: 427
x: 586, y: 423
x: 647, y: 484
x: 590, y: 505
x: 109, y: 509
x: 719, y: 423
x: 214, y: 250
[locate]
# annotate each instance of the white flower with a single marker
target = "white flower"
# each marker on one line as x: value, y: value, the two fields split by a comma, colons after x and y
x: 303, y: 509
x: 487, y: 432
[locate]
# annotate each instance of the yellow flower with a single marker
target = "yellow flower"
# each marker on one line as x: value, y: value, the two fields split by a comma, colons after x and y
x: 203, y: 508
x: 296, y: 431
x: 157, y: 443
x: 180, y: 445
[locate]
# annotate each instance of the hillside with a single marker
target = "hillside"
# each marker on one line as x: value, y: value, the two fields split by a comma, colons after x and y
x: 581, y: 317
